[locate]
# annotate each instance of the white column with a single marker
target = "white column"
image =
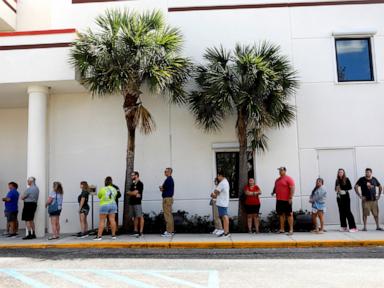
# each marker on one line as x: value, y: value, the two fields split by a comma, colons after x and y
x: 37, y: 149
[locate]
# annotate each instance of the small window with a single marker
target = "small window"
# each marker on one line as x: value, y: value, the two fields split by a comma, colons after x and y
x: 354, y: 59
x: 228, y: 162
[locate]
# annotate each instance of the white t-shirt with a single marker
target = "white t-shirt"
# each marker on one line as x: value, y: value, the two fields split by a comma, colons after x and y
x: 223, y: 198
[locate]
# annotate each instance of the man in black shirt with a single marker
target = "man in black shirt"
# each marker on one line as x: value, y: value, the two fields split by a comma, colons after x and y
x: 135, y: 210
x: 368, y: 186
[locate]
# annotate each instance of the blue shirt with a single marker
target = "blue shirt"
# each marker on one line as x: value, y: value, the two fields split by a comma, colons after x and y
x: 168, y: 187
x: 12, y: 206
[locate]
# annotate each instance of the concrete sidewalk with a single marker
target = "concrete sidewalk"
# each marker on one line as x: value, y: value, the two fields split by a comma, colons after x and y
x: 331, y: 238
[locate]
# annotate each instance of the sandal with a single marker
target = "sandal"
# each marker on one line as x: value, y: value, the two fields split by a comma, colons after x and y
x: 53, y: 238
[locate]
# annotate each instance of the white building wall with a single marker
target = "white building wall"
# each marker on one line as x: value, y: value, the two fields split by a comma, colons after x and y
x: 13, y: 156
x: 34, y: 14
x: 88, y: 136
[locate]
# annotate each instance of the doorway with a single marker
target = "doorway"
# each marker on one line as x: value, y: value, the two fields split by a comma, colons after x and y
x: 329, y: 161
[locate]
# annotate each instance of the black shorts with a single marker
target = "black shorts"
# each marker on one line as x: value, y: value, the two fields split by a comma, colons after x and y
x: 84, y: 210
x: 11, y: 216
x: 252, y: 209
x: 29, y: 211
x: 283, y: 207
x: 56, y: 213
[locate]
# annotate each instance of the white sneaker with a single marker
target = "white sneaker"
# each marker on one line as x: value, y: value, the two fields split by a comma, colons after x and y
x: 214, y: 231
x: 353, y: 230
x: 166, y: 234
x: 219, y: 232
x: 97, y: 238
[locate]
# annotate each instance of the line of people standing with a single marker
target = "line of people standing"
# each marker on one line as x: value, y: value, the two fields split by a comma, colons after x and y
x: 108, y: 207
x: 367, y: 188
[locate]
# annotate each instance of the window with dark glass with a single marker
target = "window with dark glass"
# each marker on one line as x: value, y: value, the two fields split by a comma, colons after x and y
x: 228, y: 162
x: 354, y: 59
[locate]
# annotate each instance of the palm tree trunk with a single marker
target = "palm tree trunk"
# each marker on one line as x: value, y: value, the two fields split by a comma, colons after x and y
x: 243, y: 164
x: 130, y: 103
x: 130, y: 161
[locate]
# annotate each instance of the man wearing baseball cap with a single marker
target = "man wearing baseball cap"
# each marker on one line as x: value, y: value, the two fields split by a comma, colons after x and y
x: 284, y: 190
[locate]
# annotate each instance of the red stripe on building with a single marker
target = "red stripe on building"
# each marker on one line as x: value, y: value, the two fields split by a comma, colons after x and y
x: 35, y: 46
x: 37, y: 32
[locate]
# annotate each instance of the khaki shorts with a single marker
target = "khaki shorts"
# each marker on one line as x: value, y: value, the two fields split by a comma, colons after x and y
x: 370, y: 206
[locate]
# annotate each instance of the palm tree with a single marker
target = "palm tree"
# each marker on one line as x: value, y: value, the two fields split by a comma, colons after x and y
x: 254, y: 83
x: 127, y: 51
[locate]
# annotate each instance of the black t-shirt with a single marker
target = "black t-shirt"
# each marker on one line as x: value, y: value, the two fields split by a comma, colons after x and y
x: 84, y: 194
x: 118, y: 194
x: 344, y: 186
x: 139, y: 186
x: 369, y: 194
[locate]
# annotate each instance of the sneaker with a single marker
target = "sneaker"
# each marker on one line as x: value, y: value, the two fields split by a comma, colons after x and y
x: 140, y: 235
x: 219, y: 232
x: 134, y: 234
x: 113, y: 237
x: 343, y: 229
x: 28, y: 237
x: 33, y: 236
x: 225, y: 235
x: 167, y: 234
x: 97, y: 238
x: 12, y: 235
x: 214, y: 231
x: 84, y: 236
x: 379, y: 229
x: 290, y: 233
x: 353, y: 230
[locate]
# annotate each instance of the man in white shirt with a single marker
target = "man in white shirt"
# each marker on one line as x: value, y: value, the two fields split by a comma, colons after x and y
x: 221, y: 194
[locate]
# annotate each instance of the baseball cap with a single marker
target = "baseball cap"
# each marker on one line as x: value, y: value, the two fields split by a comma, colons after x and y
x: 282, y: 168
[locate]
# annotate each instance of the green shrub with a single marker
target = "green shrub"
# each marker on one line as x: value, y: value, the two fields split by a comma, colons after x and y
x: 185, y: 223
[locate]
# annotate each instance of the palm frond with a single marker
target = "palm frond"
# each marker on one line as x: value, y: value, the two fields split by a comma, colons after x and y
x: 255, y: 80
x: 144, y: 120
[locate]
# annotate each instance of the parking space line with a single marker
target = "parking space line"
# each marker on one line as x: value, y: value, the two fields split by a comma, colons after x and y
x: 124, y: 279
x: 213, y: 279
x: 71, y: 278
x: 173, y: 279
x: 25, y: 279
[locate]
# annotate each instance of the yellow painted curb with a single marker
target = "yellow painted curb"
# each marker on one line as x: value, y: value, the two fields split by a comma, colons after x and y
x: 198, y: 245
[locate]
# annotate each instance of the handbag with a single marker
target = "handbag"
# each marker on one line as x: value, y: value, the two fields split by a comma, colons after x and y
x: 53, y: 207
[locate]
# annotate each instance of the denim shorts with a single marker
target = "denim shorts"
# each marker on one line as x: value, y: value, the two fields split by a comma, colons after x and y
x: 316, y: 207
x: 223, y: 211
x: 108, y: 209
